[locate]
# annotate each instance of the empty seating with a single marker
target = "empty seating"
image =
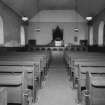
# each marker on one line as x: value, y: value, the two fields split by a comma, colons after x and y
x: 12, y: 67
x: 16, y: 68
x: 16, y: 86
x: 95, y: 89
x: 79, y: 63
x: 82, y: 77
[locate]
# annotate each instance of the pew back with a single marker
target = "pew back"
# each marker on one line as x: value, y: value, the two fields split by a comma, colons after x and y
x: 96, y: 88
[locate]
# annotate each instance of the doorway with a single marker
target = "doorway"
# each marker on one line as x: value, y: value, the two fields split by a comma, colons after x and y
x: 57, y: 37
x: 57, y: 34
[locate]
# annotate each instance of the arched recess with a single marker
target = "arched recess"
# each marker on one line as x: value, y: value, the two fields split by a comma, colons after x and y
x: 1, y: 32
x: 104, y: 36
x: 91, y: 36
x: 22, y: 36
x: 101, y: 33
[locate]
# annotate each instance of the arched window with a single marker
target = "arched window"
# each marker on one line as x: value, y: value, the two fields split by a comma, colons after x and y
x: 22, y: 36
x: 1, y: 31
x: 91, y: 36
x: 104, y: 36
x: 100, y: 33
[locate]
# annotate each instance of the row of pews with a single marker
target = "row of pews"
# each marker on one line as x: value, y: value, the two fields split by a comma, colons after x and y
x: 76, y: 48
x: 21, y: 76
x: 87, y: 73
x: 49, y: 48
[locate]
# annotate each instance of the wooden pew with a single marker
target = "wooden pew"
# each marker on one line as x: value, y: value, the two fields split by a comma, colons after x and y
x: 83, y: 59
x: 32, y: 57
x: 31, y: 76
x: 29, y: 66
x: 43, y: 59
x: 71, y: 56
x: 82, y: 77
x: 24, y: 59
x: 16, y: 85
x: 3, y: 96
x: 74, y: 69
x: 45, y: 54
x: 95, y: 89
x: 76, y: 55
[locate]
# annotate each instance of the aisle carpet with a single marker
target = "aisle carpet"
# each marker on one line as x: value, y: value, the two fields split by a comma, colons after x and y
x: 57, y: 89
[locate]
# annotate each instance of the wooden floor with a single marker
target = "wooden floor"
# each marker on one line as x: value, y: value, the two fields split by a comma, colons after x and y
x: 57, y: 89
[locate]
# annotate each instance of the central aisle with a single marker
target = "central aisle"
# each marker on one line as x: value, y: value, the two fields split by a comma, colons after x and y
x: 57, y: 89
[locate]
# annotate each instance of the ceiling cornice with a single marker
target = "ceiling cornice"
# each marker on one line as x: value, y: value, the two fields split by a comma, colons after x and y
x: 99, y: 14
x: 12, y: 9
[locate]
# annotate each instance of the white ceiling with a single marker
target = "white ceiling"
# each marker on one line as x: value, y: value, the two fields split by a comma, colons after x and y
x: 57, y: 16
x: 30, y: 7
x: 23, y: 7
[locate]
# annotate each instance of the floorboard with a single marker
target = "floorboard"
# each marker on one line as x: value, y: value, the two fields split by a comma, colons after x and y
x: 57, y: 89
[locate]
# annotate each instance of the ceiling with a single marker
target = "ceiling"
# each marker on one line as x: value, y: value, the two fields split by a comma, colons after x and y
x: 30, y: 7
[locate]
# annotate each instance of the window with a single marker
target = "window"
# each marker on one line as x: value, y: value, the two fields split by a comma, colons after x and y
x: 91, y: 36
x: 22, y: 36
x: 100, y: 33
x: 1, y: 31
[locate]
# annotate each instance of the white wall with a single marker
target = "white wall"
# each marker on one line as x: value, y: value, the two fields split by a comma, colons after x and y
x: 11, y: 24
x: 98, y: 29
x: 97, y: 21
x: 46, y: 21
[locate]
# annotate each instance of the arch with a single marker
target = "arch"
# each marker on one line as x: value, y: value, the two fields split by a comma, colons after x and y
x: 100, y: 33
x: 22, y: 36
x: 1, y: 31
x: 91, y: 36
x: 104, y: 36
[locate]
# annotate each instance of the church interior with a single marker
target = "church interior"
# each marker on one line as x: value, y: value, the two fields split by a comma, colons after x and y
x: 52, y: 52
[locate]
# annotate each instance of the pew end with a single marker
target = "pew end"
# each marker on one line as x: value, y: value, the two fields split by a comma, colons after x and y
x: 3, y: 96
x: 95, y: 85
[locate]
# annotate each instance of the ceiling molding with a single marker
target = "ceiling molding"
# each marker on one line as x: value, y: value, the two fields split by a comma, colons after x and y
x: 29, y: 8
x: 12, y: 9
x: 101, y: 12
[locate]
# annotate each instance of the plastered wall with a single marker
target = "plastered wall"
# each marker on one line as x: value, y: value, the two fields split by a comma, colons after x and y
x: 46, y: 21
x: 11, y: 24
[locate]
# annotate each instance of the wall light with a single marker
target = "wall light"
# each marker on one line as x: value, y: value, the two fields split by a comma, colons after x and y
x: 76, y: 29
x: 89, y: 18
x: 38, y: 29
x: 25, y: 18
